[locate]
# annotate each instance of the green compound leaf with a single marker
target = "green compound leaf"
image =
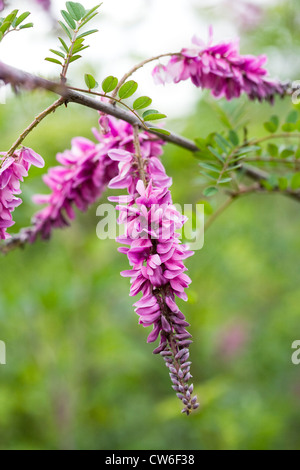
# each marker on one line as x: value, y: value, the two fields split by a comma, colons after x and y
x: 295, y: 183
x: 210, y: 191
x: 292, y: 117
x: 66, y: 30
x: 272, y: 125
x: 87, y: 33
x: 25, y: 26
x: 128, y: 89
x: 286, y: 153
x: 289, y: 127
x: 155, y: 117
x: 216, y: 154
x: 90, y: 13
x: 109, y: 84
x: 273, y: 150
x: 142, y: 102
x: 55, y: 61
x: 64, y: 45
x: 60, y: 54
x: 233, y: 137
x: 159, y: 131
x: 11, y: 17
x: 76, y: 10
x: 68, y: 19
x: 5, y: 26
x: 22, y: 18
x: 75, y: 57
x: 90, y: 81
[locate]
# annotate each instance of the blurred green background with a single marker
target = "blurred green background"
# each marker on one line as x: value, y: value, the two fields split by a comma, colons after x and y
x: 79, y: 373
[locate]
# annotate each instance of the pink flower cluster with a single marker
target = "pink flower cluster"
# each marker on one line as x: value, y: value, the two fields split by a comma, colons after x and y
x: 221, y: 69
x: 13, y: 170
x: 156, y: 257
x: 84, y: 174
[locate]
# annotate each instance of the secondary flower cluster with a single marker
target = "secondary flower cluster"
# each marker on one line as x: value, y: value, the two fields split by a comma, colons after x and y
x: 13, y: 170
x: 84, y: 174
x: 221, y: 69
x: 46, y: 4
x: 156, y: 257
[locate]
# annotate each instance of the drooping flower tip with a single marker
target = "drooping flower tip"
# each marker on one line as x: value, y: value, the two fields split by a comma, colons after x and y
x: 179, y: 370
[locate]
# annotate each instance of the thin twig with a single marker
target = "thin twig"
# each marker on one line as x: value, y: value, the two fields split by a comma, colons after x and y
x: 69, y: 55
x: 218, y: 212
x: 139, y: 66
x: 272, y: 160
x: 34, y: 124
x: 284, y: 135
x: 233, y: 196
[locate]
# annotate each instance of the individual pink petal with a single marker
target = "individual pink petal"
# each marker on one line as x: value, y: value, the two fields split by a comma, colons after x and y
x: 120, y: 155
x: 32, y: 157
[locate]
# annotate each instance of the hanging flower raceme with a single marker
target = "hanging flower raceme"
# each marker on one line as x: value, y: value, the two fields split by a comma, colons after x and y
x: 156, y: 257
x: 13, y: 170
x: 221, y: 69
x: 83, y: 175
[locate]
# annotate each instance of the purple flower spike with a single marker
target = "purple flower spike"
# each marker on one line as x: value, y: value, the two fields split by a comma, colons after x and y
x: 156, y: 257
x: 221, y: 69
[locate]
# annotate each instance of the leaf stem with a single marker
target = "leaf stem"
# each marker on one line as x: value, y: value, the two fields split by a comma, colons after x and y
x: 70, y: 54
